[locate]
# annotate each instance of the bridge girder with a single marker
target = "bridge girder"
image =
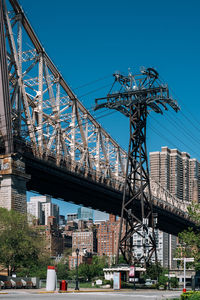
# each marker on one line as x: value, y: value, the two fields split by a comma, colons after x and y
x: 44, y: 111
x: 6, y: 137
x: 61, y: 183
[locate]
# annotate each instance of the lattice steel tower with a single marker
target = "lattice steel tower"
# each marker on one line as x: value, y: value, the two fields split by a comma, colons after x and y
x: 137, y: 95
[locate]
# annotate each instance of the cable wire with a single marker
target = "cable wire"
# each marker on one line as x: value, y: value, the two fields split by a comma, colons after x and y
x: 178, y: 139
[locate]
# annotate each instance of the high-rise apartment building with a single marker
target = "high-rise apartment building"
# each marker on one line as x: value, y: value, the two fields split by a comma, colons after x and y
x: 166, y: 246
x: 194, y: 180
x: 34, y: 209
x: 40, y: 207
x: 50, y: 209
x: 179, y: 174
x: 176, y: 172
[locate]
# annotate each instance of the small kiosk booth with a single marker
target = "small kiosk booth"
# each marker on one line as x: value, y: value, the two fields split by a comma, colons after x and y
x: 124, y: 271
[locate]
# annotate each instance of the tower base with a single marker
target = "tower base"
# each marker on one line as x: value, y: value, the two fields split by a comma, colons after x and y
x: 13, y: 179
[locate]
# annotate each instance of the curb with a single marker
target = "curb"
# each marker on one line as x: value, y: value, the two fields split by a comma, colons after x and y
x: 80, y: 291
x: 46, y: 292
x: 3, y: 293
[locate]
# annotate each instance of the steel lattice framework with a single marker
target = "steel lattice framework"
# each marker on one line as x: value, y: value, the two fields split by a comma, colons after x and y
x: 137, y: 95
x: 40, y: 109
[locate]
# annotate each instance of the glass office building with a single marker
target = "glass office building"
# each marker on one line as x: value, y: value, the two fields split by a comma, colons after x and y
x: 85, y: 213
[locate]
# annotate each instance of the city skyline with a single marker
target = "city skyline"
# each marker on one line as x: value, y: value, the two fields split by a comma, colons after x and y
x: 70, y: 207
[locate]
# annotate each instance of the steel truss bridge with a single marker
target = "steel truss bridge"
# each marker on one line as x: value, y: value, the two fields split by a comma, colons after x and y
x: 65, y: 150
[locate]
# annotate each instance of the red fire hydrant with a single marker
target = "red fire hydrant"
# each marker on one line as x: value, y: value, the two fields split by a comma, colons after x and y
x: 63, y: 285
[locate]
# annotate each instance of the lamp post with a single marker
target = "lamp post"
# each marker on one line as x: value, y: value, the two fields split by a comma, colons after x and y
x: 77, y: 252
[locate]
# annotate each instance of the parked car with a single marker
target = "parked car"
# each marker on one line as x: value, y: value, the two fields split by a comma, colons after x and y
x: 7, y: 284
x: 148, y: 282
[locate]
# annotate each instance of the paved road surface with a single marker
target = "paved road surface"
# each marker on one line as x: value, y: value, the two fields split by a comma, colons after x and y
x: 138, y: 295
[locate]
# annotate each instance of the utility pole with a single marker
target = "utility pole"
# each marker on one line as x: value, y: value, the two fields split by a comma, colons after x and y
x: 137, y: 95
x: 185, y: 260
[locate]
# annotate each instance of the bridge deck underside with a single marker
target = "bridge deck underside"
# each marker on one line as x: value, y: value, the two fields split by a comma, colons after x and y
x: 62, y: 184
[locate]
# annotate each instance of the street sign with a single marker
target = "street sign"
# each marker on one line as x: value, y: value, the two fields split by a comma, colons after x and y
x: 170, y: 275
x: 133, y: 279
x: 187, y: 259
x: 132, y: 271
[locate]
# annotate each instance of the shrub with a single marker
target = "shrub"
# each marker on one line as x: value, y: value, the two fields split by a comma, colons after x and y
x: 195, y: 296
x: 174, y: 282
x: 126, y: 285
x: 154, y: 286
x: 104, y: 282
x: 191, y: 295
x: 162, y: 287
x: 162, y: 281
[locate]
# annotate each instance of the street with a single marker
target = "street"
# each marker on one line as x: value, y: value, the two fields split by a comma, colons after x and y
x: 141, y: 295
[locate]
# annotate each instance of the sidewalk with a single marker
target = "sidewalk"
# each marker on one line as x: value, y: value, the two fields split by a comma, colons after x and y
x: 70, y: 290
x: 43, y: 291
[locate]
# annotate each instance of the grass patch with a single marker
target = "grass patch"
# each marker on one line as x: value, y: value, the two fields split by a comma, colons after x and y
x: 85, y: 285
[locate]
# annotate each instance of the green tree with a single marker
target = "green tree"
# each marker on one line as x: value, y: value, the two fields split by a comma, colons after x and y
x: 190, y: 240
x: 162, y: 280
x: 174, y: 282
x: 86, y: 272
x: 62, y: 270
x: 21, y: 246
x: 194, y: 212
x: 121, y: 260
x: 154, y: 271
x: 38, y: 269
x: 98, y: 263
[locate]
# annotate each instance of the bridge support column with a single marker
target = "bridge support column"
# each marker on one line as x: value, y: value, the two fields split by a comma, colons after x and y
x: 13, y: 179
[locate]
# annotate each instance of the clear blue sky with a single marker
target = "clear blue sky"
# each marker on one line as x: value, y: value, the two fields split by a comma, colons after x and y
x: 88, y: 40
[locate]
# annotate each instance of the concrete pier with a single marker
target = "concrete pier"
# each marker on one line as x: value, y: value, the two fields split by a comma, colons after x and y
x: 13, y: 179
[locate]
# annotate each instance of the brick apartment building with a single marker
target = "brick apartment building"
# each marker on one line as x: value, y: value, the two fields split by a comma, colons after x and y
x: 84, y: 238
x: 85, y: 241
x: 87, y: 259
x: 53, y: 236
x: 100, y: 238
x: 107, y: 237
